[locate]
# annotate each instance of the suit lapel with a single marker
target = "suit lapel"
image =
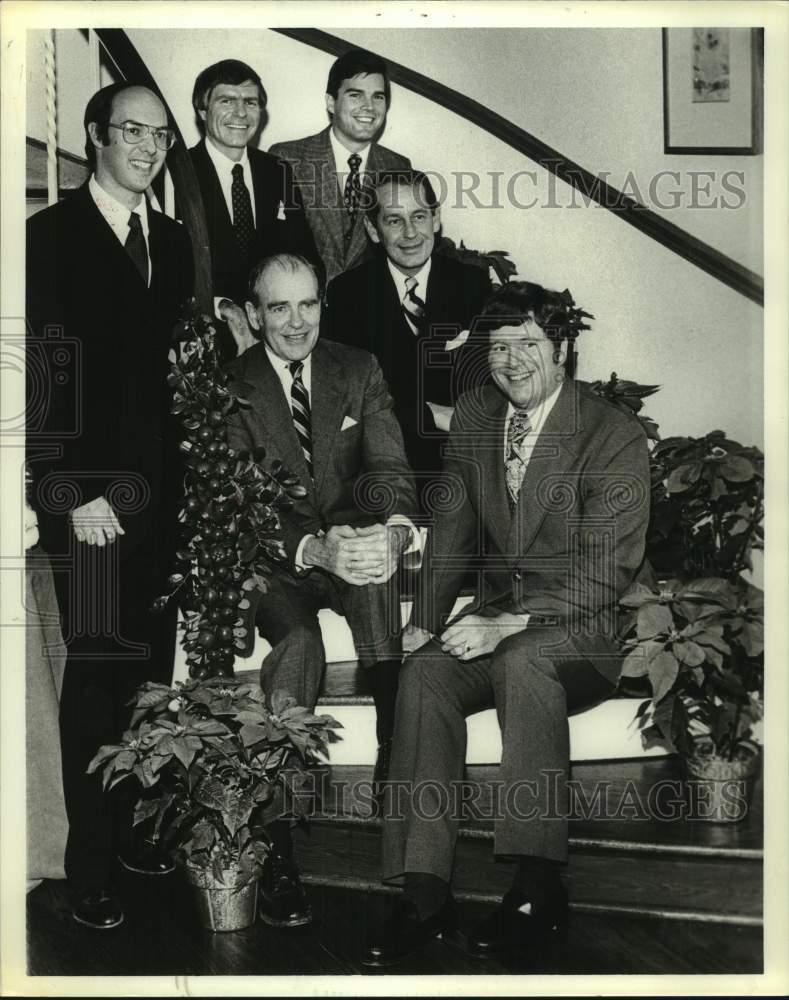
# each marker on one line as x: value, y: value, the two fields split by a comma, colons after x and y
x: 327, y: 192
x: 552, y: 456
x: 327, y: 404
x: 495, y: 504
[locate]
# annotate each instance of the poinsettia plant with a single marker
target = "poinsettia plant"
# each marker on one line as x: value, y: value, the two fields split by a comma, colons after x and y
x: 699, y: 637
x: 629, y: 397
x: 231, y: 505
x: 499, y: 260
x: 214, y: 765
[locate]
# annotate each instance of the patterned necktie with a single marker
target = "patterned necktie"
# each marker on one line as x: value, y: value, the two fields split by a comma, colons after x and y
x: 135, y: 246
x: 413, y: 306
x: 300, y: 408
x: 515, y: 463
x: 352, y: 193
x: 243, y: 223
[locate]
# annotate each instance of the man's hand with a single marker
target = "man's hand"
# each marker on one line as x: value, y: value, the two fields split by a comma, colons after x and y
x: 96, y: 523
x: 475, y: 636
x: 236, y: 319
x: 344, y: 553
x: 385, y: 543
x: 414, y: 638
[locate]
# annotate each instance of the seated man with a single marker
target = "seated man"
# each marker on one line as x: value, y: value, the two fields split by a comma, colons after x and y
x: 323, y: 410
x: 551, y: 490
x: 407, y: 305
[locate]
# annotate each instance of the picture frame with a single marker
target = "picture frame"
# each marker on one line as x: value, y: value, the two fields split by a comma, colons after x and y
x: 713, y: 81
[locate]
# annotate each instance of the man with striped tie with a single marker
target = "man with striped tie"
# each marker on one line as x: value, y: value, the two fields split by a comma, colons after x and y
x: 324, y: 411
x: 550, y: 506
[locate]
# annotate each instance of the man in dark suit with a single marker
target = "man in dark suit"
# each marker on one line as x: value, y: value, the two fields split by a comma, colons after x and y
x: 252, y: 205
x: 324, y: 411
x: 550, y: 504
x: 410, y: 306
x: 106, y: 277
x: 330, y: 168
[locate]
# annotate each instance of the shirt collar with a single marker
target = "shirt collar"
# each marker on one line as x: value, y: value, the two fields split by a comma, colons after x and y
x: 400, y: 279
x: 538, y: 416
x: 115, y: 213
x: 341, y: 154
x: 222, y: 163
x: 282, y: 369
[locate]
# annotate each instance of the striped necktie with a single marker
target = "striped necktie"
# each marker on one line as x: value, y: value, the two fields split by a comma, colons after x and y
x: 135, y: 246
x: 515, y: 463
x: 300, y: 408
x: 413, y: 306
x: 243, y: 223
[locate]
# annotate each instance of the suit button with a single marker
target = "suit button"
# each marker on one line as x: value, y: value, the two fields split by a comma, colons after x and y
x: 347, y: 236
x: 516, y: 576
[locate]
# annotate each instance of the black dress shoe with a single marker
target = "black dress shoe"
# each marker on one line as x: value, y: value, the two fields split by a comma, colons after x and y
x: 282, y: 901
x: 98, y: 908
x: 403, y: 933
x: 510, y: 928
x: 146, y: 858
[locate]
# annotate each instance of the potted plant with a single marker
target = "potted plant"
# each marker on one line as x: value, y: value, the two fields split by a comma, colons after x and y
x: 215, y: 767
x: 230, y: 508
x: 699, y: 636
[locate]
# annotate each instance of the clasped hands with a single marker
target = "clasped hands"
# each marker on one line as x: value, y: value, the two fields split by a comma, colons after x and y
x: 96, y: 523
x: 469, y: 637
x: 358, y: 555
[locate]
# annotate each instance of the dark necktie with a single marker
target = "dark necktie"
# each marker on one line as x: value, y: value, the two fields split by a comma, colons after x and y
x: 413, y: 306
x: 352, y: 193
x: 300, y: 408
x: 515, y: 463
x: 243, y: 223
x: 135, y: 246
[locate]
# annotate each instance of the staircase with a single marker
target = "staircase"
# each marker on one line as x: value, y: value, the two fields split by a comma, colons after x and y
x: 632, y: 852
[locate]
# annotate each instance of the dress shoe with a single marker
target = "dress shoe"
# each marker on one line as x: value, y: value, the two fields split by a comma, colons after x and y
x: 98, y: 908
x: 146, y: 858
x: 511, y: 928
x: 282, y: 901
x: 403, y: 933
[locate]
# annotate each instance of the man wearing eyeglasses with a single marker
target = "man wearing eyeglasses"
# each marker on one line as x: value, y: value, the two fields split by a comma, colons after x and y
x: 106, y: 277
x: 252, y: 205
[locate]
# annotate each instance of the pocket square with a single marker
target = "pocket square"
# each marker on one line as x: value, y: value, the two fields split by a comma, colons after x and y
x: 281, y: 213
x: 348, y: 422
x: 459, y: 341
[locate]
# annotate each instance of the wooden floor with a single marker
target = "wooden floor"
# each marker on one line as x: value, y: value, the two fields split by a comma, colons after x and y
x: 161, y: 936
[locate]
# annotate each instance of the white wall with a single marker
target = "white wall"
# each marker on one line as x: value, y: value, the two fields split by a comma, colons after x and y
x: 595, y: 95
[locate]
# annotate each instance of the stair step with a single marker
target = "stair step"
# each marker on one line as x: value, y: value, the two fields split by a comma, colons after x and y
x: 650, y: 867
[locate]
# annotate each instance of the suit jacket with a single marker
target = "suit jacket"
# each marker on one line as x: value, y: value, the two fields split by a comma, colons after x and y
x: 363, y: 309
x: 340, y: 245
x: 576, y: 537
x: 275, y: 195
x: 361, y: 475
x: 97, y: 366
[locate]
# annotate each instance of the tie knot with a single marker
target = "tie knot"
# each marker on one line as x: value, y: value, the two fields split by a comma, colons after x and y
x: 238, y: 172
x: 296, y: 368
x: 354, y: 161
x: 411, y: 284
x: 134, y: 222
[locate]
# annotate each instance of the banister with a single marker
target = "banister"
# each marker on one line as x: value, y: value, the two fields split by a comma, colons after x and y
x: 131, y: 65
x: 593, y: 188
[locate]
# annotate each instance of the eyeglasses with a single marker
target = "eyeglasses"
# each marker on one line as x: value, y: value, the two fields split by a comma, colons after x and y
x: 134, y: 133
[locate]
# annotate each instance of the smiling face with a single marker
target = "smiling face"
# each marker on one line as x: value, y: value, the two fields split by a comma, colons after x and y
x: 287, y: 312
x: 525, y: 364
x: 122, y: 169
x: 358, y: 110
x: 232, y: 116
x: 405, y: 226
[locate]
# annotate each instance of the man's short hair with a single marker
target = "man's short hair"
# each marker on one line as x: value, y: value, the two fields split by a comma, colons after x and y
x: 555, y: 313
x: 353, y: 63
x: 99, y: 111
x: 229, y: 71
x: 413, y: 179
x: 287, y: 262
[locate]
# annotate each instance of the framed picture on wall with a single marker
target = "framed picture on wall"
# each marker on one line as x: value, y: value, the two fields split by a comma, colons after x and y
x: 712, y: 90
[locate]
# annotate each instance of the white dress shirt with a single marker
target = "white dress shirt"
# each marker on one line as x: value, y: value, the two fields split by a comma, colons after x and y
x: 224, y: 171
x: 116, y: 215
x: 421, y: 276
x: 341, y: 156
x: 283, y: 373
x: 537, y: 418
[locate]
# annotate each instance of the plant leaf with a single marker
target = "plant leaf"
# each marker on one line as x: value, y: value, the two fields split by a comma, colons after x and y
x: 663, y: 670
